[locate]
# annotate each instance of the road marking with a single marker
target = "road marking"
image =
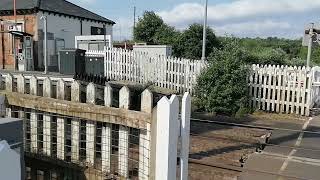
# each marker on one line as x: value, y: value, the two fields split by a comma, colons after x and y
x: 293, y: 151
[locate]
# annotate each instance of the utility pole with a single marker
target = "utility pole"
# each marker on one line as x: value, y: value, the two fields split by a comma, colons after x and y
x: 45, y: 40
x: 134, y: 17
x: 15, y: 11
x: 204, y: 31
x: 310, y: 44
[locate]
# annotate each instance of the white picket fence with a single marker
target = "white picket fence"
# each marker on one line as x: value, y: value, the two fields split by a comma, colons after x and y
x: 284, y: 89
x: 177, y: 74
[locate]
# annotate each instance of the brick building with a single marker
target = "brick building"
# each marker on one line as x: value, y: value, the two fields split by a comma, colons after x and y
x: 21, y: 38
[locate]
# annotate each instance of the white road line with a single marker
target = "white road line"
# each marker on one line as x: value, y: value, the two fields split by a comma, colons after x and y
x: 293, y: 151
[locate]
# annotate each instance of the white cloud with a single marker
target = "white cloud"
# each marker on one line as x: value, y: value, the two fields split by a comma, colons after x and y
x: 250, y: 18
x: 237, y: 9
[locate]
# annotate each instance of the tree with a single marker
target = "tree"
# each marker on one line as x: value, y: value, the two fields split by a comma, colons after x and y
x: 223, y: 88
x: 147, y: 27
x: 190, y: 42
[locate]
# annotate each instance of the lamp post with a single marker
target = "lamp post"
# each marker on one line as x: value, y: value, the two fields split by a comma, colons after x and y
x: 310, y: 44
x: 204, y: 31
x: 45, y: 40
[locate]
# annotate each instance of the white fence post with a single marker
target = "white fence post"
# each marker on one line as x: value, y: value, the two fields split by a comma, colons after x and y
x: 9, y: 82
x: 166, y: 139
x: 124, y: 102
x: 185, y: 135
x: 145, y: 137
x: 21, y: 83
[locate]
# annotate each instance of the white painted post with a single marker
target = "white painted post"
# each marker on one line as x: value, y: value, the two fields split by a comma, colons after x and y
x: 8, y: 112
x: 9, y: 82
x: 75, y: 137
x: 47, y: 84
x: 106, y: 134
x: 91, y: 93
x: 33, y: 86
x: 75, y: 91
x: 185, y: 135
x: 145, y: 137
x: 106, y: 148
x: 124, y: 102
x: 60, y: 138
x: 90, y: 142
x: 108, y: 95
x: 21, y: 84
x: 47, y: 134
x: 166, y: 139
x: 61, y: 87
x: 34, y: 131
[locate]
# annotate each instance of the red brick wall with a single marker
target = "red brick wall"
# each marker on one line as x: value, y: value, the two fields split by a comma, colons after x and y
x: 30, y: 26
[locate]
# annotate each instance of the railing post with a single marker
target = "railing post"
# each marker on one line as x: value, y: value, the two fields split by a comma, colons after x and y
x: 33, y: 85
x: 124, y: 102
x: 108, y: 95
x: 60, y: 138
x: 34, y: 131
x: 106, y: 134
x: 21, y: 84
x: 47, y: 92
x: 90, y: 142
x: 75, y: 124
x: 9, y: 82
x: 61, y: 87
x: 91, y: 93
x: 185, y: 135
x: 145, y: 137
x: 75, y: 91
x: 47, y: 134
x: 47, y: 87
x: 165, y: 139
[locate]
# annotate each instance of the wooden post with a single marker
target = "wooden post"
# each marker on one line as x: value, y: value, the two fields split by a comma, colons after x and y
x: 75, y: 124
x: 124, y: 102
x: 61, y: 88
x: 47, y: 87
x: 60, y: 138
x: 185, y: 135
x: 145, y: 137
x: 91, y: 93
x: 33, y: 86
x: 90, y: 142
x: 34, y: 131
x: 106, y: 134
x: 165, y: 139
x: 21, y: 84
x: 9, y: 82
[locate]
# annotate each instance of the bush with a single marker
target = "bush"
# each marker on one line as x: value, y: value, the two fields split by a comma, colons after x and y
x: 223, y: 88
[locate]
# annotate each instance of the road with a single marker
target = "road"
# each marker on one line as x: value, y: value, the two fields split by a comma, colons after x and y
x: 293, y: 153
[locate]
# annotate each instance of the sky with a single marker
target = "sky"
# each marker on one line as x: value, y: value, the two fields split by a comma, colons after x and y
x: 240, y: 18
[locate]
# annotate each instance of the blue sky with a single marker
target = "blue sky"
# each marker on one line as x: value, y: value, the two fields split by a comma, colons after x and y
x: 242, y: 18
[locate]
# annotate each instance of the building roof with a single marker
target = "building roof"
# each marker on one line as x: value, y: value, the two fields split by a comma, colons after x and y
x: 55, y: 6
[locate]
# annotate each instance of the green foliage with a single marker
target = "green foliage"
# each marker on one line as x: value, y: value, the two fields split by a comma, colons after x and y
x: 222, y: 88
x: 147, y: 27
x: 190, y: 42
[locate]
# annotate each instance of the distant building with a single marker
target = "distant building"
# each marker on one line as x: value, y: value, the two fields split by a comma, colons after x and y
x: 21, y: 44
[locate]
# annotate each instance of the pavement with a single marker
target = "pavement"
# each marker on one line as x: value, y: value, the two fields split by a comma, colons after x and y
x: 291, y: 154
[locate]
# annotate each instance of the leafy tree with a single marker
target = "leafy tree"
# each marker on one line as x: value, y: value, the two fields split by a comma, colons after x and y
x: 222, y: 88
x: 190, y: 42
x: 147, y: 27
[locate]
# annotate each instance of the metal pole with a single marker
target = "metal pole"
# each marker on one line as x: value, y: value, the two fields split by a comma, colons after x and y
x: 2, y: 43
x: 204, y: 32
x: 15, y: 10
x: 45, y: 39
x: 134, y: 17
x: 310, y: 45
